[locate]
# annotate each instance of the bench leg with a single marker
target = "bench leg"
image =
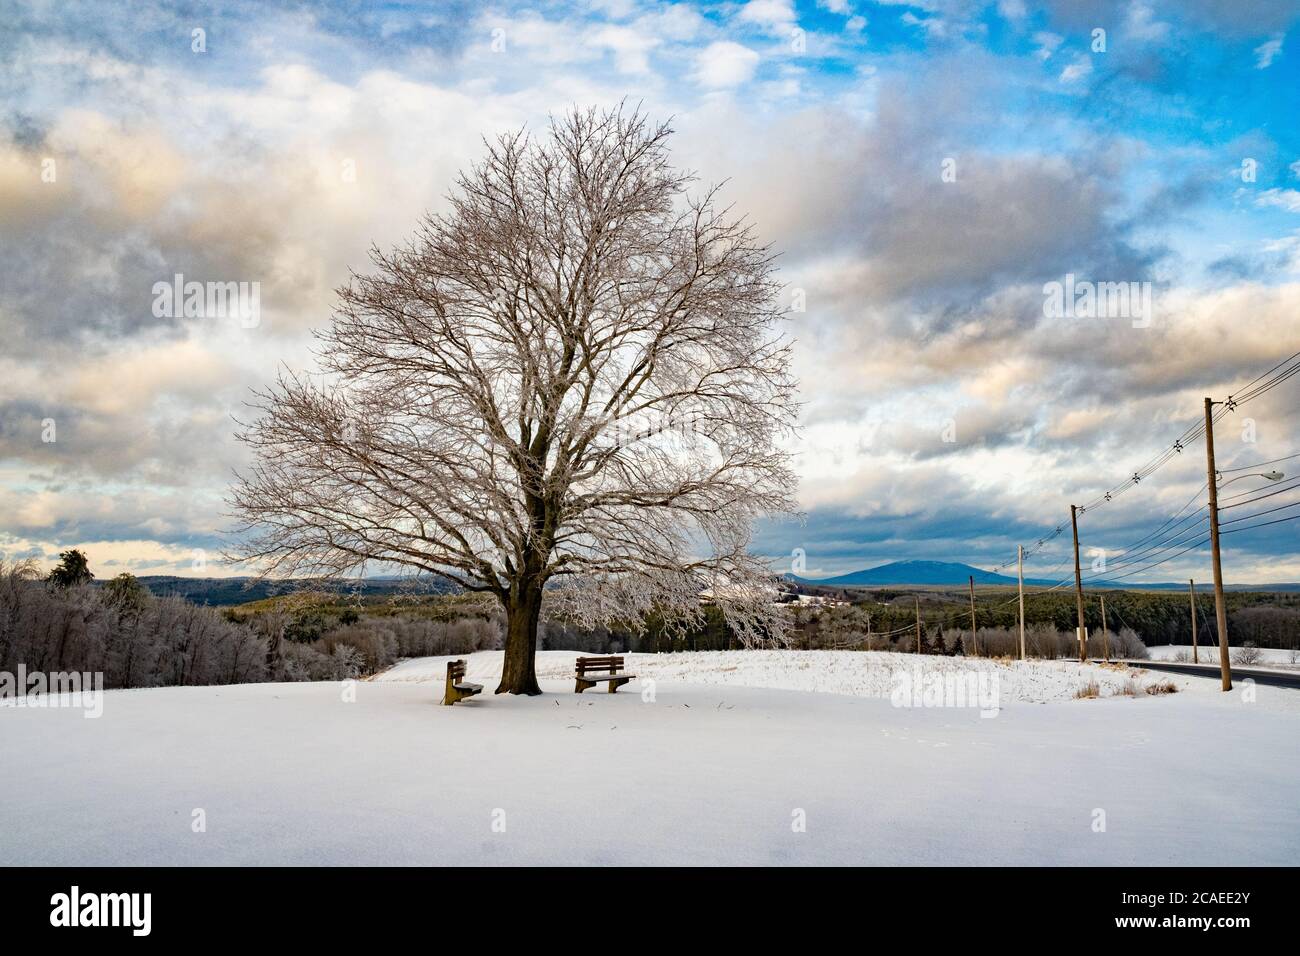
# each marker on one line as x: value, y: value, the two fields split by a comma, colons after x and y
x: 583, y: 685
x: 614, y: 685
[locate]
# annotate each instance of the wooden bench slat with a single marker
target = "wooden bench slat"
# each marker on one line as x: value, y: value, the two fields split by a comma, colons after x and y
x: 591, y: 670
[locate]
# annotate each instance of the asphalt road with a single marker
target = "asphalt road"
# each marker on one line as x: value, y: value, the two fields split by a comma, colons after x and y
x: 1259, y: 675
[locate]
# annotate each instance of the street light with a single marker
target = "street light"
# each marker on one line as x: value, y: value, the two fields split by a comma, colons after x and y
x: 1270, y: 475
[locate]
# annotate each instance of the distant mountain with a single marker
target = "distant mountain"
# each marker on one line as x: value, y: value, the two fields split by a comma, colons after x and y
x: 954, y: 573
x: 221, y: 592
x: 916, y: 572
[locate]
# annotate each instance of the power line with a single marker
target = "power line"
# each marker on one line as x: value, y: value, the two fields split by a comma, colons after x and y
x: 1259, y: 514
x: 1193, y: 547
x: 1153, y: 564
x: 1172, y: 541
x: 1263, y: 524
x: 1276, y: 490
x: 1259, y: 464
x: 1253, y: 389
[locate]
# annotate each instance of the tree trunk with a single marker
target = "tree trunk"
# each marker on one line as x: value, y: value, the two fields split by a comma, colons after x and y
x: 519, y: 671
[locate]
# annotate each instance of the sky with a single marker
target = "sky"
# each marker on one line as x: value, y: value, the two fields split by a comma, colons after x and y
x: 925, y: 171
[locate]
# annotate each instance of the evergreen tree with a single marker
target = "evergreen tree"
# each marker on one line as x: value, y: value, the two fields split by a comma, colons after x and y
x: 73, y: 569
x: 126, y: 595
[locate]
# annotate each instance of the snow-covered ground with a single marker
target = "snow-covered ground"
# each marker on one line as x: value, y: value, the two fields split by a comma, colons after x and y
x: 1268, y: 656
x: 855, y: 673
x: 719, y: 761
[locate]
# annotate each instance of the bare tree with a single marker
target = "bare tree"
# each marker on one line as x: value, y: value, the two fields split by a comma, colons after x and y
x: 571, y: 386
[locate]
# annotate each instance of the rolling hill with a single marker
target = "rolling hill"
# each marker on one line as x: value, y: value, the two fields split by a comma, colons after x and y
x: 951, y: 573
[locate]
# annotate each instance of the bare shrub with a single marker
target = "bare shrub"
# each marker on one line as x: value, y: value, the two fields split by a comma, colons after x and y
x: 1248, y: 653
x: 1125, y: 643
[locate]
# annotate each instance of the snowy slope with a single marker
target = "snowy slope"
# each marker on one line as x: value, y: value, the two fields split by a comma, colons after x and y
x: 701, y: 774
x: 1269, y: 656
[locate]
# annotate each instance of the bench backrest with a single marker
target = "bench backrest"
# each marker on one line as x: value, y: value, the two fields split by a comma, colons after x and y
x: 455, y: 670
x: 611, y: 664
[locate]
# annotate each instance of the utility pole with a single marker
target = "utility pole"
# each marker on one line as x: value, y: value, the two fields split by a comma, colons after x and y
x: 1191, y: 588
x: 1105, y: 635
x: 1020, y: 571
x: 1220, y: 612
x: 972, y: 608
x: 1082, y: 633
x: 918, y: 623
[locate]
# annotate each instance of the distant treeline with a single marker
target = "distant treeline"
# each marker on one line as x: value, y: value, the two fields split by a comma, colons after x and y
x: 1266, y: 619
x: 62, y: 623
x: 228, y: 592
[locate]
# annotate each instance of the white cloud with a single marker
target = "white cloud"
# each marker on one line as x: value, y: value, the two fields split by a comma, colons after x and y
x: 775, y: 16
x: 933, y: 26
x: 677, y: 22
x: 725, y: 64
x: 1142, y: 25
x: 1267, y: 51
x: 1077, y: 70
x: 631, y: 47
x: 1288, y: 199
x: 1047, y: 44
x: 1288, y: 247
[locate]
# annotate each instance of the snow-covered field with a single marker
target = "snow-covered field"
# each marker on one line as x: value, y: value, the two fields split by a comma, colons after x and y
x: 719, y: 761
x: 856, y: 673
x: 1268, y: 656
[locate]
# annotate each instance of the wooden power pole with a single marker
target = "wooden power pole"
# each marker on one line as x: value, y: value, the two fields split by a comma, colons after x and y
x: 1220, y: 612
x: 1020, y: 572
x: 972, y: 608
x: 918, y: 622
x: 1191, y: 588
x: 1081, y: 632
x: 1105, y: 635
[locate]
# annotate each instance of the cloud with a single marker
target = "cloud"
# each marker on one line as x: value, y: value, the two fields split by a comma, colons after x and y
x: 935, y: 27
x: 775, y: 16
x: 1078, y: 69
x: 1047, y: 44
x: 1288, y: 199
x: 1267, y: 52
x: 630, y: 47
x: 1141, y: 24
x: 725, y: 64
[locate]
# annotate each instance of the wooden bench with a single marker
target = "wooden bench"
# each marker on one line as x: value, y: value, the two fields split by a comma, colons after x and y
x: 457, y: 687
x: 592, y: 670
